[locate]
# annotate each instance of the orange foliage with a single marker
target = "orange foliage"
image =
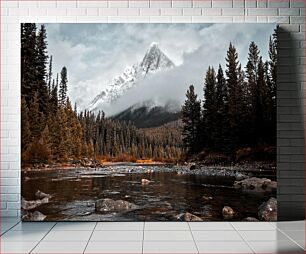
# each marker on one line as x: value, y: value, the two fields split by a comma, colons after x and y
x: 144, y: 161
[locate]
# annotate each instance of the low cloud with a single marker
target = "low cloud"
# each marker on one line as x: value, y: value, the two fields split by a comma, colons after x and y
x: 99, y: 52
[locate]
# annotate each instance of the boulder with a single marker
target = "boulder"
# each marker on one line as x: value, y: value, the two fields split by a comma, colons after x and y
x: 110, y: 205
x: 145, y: 181
x: 228, y: 213
x: 32, y: 204
x: 267, y: 211
x: 35, y: 216
x: 40, y: 195
x: 188, y: 217
x: 207, y: 198
x: 256, y: 185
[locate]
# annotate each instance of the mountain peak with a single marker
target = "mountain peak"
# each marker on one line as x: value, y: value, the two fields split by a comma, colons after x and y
x: 155, y: 59
x: 153, y: 44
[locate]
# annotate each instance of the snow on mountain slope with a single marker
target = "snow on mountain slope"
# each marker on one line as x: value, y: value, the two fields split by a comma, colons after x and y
x: 154, y: 61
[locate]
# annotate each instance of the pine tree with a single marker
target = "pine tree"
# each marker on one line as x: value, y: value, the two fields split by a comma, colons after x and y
x: 90, y: 149
x: 234, y: 100
x: 63, y: 87
x: 45, y: 141
x: 191, y: 117
x: 270, y: 107
x: 25, y: 125
x: 54, y: 100
x: 252, y: 96
x: 50, y: 77
x: 36, y: 118
x: 42, y: 56
x: 64, y: 135
x: 261, y: 105
x: 41, y: 70
x: 209, y: 108
x: 244, y: 109
x: 221, y: 118
x: 29, y: 85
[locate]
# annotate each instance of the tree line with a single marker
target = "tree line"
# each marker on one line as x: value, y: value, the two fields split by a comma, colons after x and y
x: 239, y: 106
x: 53, y: 131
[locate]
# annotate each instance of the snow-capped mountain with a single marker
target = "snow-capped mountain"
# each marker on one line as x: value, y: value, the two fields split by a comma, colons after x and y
x: 154, y: 61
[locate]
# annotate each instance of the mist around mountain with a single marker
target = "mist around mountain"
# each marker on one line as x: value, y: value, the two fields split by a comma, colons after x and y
x: 153, y: 62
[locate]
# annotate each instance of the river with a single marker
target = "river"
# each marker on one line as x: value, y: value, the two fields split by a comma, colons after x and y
x: 169, y: 194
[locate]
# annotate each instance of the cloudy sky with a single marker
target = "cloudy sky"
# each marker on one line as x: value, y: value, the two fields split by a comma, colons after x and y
x: 95, y: 53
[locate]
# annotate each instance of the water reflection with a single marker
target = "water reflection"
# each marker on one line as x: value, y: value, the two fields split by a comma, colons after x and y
x: 169, y: 194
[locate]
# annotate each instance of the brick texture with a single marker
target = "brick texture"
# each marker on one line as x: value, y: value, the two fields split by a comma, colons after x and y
x: 289, y: 14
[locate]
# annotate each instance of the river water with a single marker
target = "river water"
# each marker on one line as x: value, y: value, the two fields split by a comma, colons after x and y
x: 169, y: 194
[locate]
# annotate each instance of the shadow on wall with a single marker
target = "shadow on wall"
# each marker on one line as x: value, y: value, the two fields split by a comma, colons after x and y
x: 290, y: 126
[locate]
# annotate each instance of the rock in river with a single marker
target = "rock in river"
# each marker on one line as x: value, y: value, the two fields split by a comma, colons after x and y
x: 35, y: 216
x: 228, y: 213
x: 207, y: 198
x: 145, y: 181
x: 40, y: 195
x: 188, y: 217
x: 110, y: 205
x: 268, y: 210
x: 256, y: 184
x: 32, y: 204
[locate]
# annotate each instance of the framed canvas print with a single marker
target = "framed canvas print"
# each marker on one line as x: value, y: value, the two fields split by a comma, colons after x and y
x: 148, y: 122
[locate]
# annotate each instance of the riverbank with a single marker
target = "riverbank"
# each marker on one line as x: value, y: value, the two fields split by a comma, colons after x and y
x: 237, y: 171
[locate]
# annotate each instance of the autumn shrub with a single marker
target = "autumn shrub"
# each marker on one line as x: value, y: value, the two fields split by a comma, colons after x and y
x: 37, y: 152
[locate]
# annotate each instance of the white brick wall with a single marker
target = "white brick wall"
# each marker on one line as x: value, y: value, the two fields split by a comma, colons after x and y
x: 289, y: 13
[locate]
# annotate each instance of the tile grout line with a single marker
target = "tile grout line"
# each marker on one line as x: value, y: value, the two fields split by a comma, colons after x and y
x: 291, y: 239
x: 193, y: 238
x: 10, y: 228
x: 244, y: 240
x: 143, y: 232
x: 90, y: 237
x: 42, y: 238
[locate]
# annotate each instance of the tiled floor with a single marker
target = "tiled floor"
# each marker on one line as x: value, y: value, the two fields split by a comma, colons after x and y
x: 152, y: 237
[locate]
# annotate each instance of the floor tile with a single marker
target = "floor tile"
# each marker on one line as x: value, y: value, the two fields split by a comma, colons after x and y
x: 107, y: 236
x: 296, y: 235
x: 216, y: 236
x: 114, y: 247
x: 69, y: 236
x: 5, y: 226
x: 276, y: 247
x: 120, y: 226
x: 167, y: 236
x: 17, y: 247
x: 221, y: 226
x: 166, y: 226
x: 69, y: 226
x: 60, y: 247
x: 169, y: 247
x: 22, y: 236
x: 33, y: 226
x: 273, y: 235
x: 253, y: 226
x: 224, y: 247
x: 291, y: 225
